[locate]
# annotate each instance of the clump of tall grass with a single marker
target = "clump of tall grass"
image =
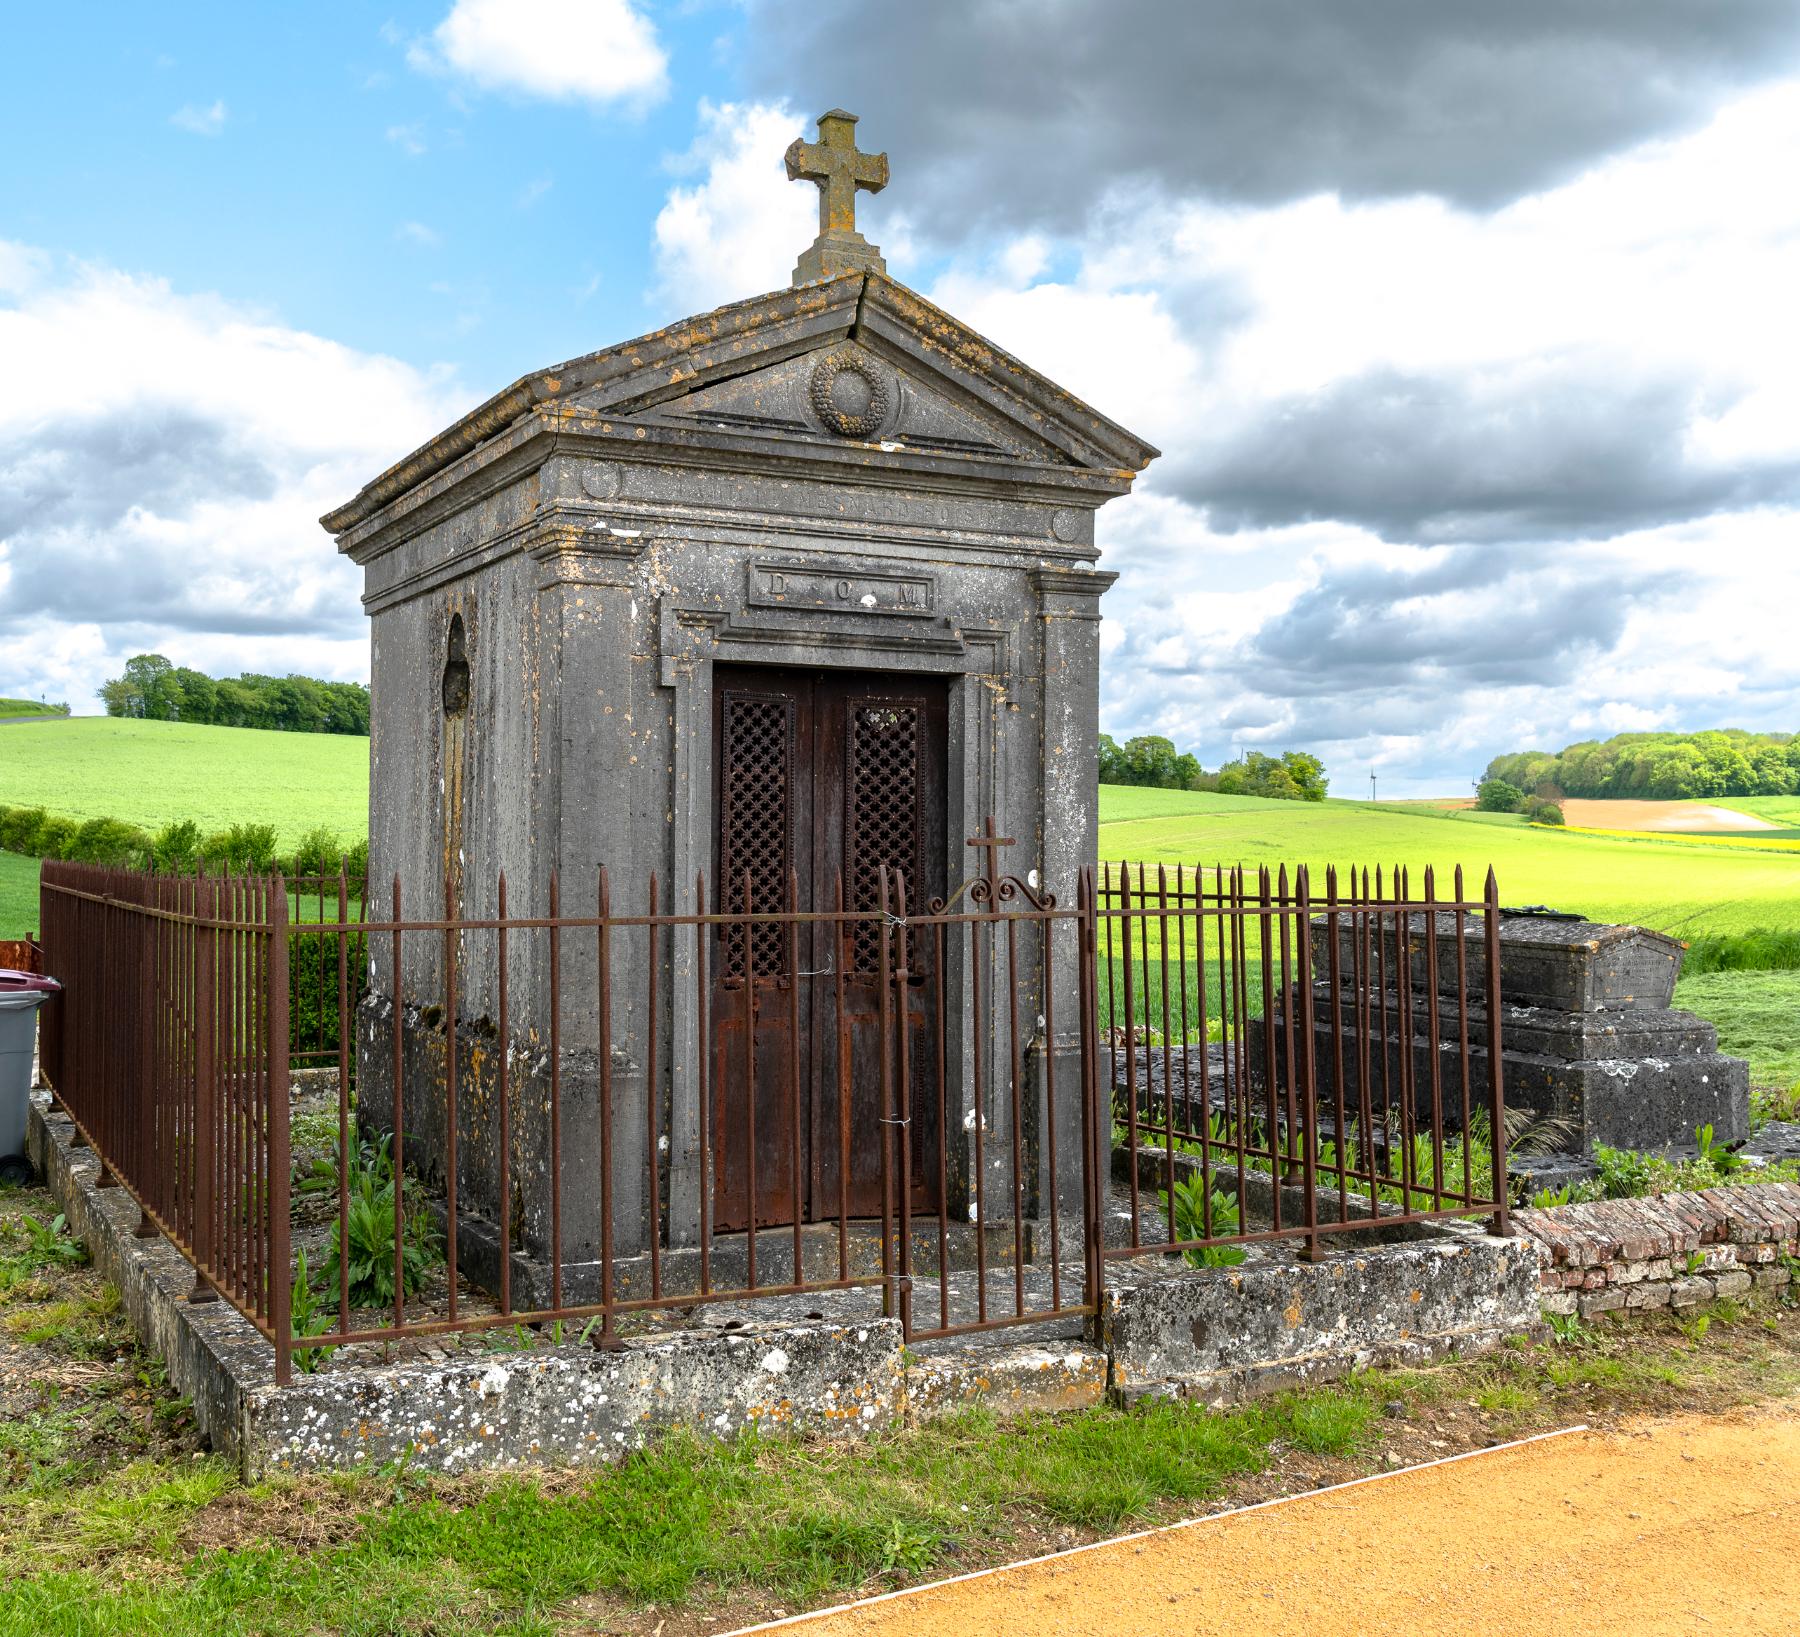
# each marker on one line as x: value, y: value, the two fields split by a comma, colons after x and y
x: 1762, y: 949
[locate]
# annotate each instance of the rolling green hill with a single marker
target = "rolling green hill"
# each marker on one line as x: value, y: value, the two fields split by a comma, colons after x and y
x: 148, y: 773
x: 1675, y: 886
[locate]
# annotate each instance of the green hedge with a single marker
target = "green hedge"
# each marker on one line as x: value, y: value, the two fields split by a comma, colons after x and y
x: 177, y: 846
x: 313, y: 989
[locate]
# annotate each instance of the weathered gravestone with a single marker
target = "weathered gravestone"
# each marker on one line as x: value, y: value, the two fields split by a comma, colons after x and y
x: 1588, y: 1034
x: 803, y: 584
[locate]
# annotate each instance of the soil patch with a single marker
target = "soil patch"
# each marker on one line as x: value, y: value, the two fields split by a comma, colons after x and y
x: 1675, y: 817
x: 1662, y: 1526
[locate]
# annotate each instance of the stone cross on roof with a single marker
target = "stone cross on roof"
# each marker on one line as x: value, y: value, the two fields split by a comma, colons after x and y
x: 839, y: 168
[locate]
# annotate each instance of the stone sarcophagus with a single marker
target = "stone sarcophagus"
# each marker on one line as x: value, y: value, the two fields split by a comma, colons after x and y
x: 757, y: 605
x: 1588, y: 1034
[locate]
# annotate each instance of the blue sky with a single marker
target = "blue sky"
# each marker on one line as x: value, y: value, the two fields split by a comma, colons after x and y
x: 1467, y: 332
x: 344, y: 189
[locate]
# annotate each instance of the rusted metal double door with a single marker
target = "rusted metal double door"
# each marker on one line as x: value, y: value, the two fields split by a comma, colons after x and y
x: 824, y: 780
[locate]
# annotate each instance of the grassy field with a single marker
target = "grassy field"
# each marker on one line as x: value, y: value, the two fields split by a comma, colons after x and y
x: 1782, y: 810
x: 1677, y: 886
x: 18, y: 895
x: 1757, y: 1015
x: 148, y: 773
x: 26, y: 707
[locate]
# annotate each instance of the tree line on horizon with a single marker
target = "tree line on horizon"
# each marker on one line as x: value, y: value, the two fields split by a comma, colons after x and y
x: 1658, y: 766
x: 1153, y: 761
x: 156, y: 690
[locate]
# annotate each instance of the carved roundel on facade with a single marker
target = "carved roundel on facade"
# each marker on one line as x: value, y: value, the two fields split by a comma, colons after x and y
x: 1065, y: 524
x: 600, y: 479
x: 850, y: 394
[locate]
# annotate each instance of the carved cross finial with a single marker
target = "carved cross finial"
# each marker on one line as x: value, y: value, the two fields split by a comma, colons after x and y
x: 839, y: 168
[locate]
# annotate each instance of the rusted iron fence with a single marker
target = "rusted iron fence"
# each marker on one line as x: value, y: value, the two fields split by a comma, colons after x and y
x: 607, y: 1115
x: 21, y: 955
x: 168, y: 1049
x: 1291, y: 1065
x: 328, y: 969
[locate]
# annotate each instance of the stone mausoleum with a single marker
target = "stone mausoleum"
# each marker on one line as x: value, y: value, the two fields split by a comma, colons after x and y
x: 806, y: 584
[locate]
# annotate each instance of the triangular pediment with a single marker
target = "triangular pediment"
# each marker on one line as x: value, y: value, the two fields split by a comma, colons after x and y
x: 851, y: 392
x: 853, y: 359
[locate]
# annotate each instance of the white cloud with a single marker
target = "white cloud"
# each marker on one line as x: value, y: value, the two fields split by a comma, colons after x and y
x: 738, y: 231
x: 198, y: 121
x: 177, y: 510
x: 409, y: 139
x: 1601, y: 381
x: 599, y: 51
x: 534, y: 190
x: 417, y: 233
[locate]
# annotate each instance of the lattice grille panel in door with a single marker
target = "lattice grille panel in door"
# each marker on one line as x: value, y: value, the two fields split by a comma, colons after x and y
x: 883, y: 813
x: 759, y: 736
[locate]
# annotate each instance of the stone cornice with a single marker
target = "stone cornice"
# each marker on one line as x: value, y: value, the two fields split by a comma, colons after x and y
x: 626, y: 380
x: 577, y: 550
x: 536, y: 438
x: 663, y: 364
x: 1053, y: 579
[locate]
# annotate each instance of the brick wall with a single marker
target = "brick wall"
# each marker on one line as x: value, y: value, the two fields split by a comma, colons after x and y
x: 1673, y: 1250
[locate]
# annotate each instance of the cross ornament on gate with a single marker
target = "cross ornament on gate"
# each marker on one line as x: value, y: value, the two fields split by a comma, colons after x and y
x: 839, y: 168
x: 990, y: 844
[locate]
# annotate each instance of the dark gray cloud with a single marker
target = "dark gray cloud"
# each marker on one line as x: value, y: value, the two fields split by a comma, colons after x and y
x: 1403, y: 649
x: 1528, y: 454
x: 1002, y: 112
x: 1476, y: 617
x: 66, y: 491
x: 87, y: 474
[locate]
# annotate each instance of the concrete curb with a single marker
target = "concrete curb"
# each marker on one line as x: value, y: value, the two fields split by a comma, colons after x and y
x: 1220, y: 1335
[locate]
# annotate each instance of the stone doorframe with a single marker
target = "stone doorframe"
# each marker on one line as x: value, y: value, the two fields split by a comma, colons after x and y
x: 692, y: 642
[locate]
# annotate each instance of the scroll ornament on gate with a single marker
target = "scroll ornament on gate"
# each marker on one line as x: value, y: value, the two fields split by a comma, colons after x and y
x: 993, y: 888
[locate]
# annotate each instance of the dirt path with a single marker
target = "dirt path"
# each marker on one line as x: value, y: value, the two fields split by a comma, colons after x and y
x: 1671, y: 816
x: 1682, y: 1525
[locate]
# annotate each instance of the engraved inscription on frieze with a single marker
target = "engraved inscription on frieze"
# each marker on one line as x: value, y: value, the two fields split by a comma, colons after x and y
x: 858, y: 591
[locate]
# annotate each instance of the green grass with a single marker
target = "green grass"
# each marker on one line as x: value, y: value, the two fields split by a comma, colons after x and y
x: 686, y: 1519
x: 30, y: 707
x: 1680, y: 888
x: 1764, y: 949
x: 148, y: 773
x: 1782, y: 810
x: 1124, y: 803
x: 18, y: 896
x: 690, y: 1532
x: 1757, y: 1015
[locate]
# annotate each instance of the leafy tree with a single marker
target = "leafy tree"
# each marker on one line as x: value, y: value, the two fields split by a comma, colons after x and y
x: 1308, y: 774
x: 1151, y: 759
x: 1498, y: 796
x: 1292, y: 776
x: 158, y: 691
x: 1660, y: 766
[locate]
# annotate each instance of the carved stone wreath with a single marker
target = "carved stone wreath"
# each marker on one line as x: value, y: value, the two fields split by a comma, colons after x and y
x: 849, y: 423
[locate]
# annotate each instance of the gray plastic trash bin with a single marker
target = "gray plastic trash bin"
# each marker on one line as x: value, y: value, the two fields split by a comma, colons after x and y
x: 21, y: 994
